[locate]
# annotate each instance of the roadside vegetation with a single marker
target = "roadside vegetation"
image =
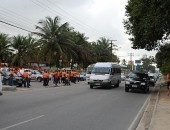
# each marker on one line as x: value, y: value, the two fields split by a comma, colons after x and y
x: 148, y: 25
x: 53, y: 43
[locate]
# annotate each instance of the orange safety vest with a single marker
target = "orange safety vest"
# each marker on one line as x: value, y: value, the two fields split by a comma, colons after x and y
x: 25, y: 74
x: 63, y: 74
x: 67, y: 76
x: 74, y: 74
x: 45, y: 75
x: 56, y: 74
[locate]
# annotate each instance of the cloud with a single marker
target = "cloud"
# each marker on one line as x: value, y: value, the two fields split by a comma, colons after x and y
x: 95, y: 18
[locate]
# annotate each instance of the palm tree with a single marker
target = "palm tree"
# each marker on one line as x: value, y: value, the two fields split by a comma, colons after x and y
x: 103, y: 50
x: 19, y: 44
x: 83, y: 53
x: 55, y: 39
x: 33, y: 50
x: 5, y: 47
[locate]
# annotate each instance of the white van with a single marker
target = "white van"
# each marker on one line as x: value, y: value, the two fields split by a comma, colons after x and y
x: 105, y: 74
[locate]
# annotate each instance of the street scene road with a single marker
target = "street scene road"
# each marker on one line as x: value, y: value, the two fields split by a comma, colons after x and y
x: 75, y: 107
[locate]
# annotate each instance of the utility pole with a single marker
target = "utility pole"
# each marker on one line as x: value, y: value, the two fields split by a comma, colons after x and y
x: 131, y: 54
x: 111, y: 47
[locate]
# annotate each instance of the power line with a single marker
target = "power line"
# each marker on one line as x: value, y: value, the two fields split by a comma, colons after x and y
x: 73, y: 16
x: 15, y: 26
x: 40, y: 4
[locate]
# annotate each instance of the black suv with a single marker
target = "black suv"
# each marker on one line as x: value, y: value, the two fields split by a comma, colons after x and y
x: 137, y: 80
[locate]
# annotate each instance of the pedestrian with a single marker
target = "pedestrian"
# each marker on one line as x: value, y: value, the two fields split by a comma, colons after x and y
x: 56, y: 77
x: 0, y: 82
x: 168, y: 82
x: 26, y: 79
x: 29, y: 77
x: 11, y: 76
x: 67, y: 80
x: 45, y: 78
x: 63, y: 74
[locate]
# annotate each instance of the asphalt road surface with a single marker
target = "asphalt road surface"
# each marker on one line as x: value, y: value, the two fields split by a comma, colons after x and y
x: 75, y: 107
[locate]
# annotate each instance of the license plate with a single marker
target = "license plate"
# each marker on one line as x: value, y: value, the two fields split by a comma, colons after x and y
x: 134, y: 86
x: 97, y: 83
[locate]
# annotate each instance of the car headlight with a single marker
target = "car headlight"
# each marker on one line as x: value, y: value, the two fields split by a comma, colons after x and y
x: 142, y: 83
x: 106, y: 80
x: 127, y: 82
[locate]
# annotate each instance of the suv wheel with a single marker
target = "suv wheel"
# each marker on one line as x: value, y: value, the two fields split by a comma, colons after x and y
x: 91, y: 86
x: 146, y: 89
x: 126, y: 89
x: 117, y: 85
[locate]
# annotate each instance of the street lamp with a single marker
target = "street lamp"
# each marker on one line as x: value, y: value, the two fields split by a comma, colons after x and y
x: 71, y: 60
x: 111, y: 47
x: 60, y: 61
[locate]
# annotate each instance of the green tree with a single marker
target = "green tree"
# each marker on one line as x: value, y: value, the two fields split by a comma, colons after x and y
x: 147, y: 63
x: 147, y: 22
x: 25, y: 50
x: 162, y: 58
x: 19, y: 44
x: 55, y: 39
x: 5, y: 47
x: 83, y: 54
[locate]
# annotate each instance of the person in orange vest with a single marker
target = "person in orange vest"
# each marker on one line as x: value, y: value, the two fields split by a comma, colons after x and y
x: 74, y: 76
x: 45, y: 78
x: 71, y: 76
x: 59, y: 76
x: 56, y: 77
x: 11, y: 76
x: 26, y: 79
x: 63, y: 74
x: 67, y: 81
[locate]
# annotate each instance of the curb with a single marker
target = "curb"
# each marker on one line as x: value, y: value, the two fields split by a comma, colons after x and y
x: 8, y: 88
x: 154, y: 111
x: 138, y: 117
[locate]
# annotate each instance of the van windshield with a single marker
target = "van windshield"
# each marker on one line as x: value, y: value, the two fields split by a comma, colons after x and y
x: 89, y: 69
x: 101, y: 70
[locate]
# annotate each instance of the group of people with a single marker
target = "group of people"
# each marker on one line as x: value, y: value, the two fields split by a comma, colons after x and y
x: 8, y: 77
x: 61, y: 76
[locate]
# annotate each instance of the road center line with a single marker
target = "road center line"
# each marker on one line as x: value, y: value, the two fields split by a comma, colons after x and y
x: 23, y: 122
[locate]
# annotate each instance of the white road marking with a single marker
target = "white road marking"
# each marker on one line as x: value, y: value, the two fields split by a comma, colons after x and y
x: 23, y: 122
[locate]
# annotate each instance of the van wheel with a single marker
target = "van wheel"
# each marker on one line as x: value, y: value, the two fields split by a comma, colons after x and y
x: 109, y: 86
x: 146, y: 90
x: 117, y: 85
x: 91, y: 86
x: 126, y: 89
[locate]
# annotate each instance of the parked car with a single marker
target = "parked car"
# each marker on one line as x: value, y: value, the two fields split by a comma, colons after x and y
x: 17, y: 80
x: 137, y: 80
x: 123, y: 77
x: 82, y: 76
x: 36, y: 75
x: 152, y: 80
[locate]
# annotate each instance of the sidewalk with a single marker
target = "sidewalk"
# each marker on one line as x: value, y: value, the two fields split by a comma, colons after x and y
x: 162, y: 114
x: 157, y: 113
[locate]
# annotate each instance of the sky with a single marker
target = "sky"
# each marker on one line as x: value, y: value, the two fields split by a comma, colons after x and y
x: 94, y: 18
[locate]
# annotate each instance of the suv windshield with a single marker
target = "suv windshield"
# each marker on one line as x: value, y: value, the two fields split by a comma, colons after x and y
x: 101, y: 70
x: 137, y: 75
